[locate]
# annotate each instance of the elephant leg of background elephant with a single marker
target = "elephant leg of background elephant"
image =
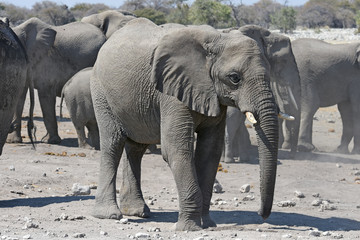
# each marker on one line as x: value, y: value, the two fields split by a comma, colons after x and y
x: 80, y: 130
x: 208, y: 152
x: 281, y: 133
x: 94, y: 134
x: 347, y: 122
x: 47, y: 104
x: 131, y: 199
x: 244, y: 143
x: 355, y: 100
x: 15, y: 135
x: 228, y: 146
x: 308, y: 110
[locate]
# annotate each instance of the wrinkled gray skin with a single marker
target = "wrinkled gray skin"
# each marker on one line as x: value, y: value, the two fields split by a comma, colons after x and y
x: 12, y: 77
x: 108, y: 21
x: 149, y: 86
x: 77, y: 95
x: 55, y: 54
x: 329, y: 75
x: 284, y: 76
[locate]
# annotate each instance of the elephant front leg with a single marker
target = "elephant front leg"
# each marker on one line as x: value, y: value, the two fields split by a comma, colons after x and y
x: 131, y: 199
x: 177, y: 146
x: 47, y: 104
x: 208, y: 152
x: 15, y: 135
x: 347, y: 121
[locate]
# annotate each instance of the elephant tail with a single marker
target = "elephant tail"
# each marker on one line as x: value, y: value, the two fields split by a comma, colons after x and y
x: 30, y: 124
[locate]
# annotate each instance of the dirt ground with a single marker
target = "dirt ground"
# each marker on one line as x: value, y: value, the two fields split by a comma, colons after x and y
x: 37, y: 201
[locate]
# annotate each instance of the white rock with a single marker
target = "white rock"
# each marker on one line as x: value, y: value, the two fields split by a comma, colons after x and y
x: 78, y: 189
x: 286, y: 203
x: 315, y: 233
x: 199, y: 238
x: 316, y: 202
x: 245, y: 188
x: 287, y: 235
x: 103, y: 233
x: 123, y: 221
x: 12, y: 168
x: 217, y: 188
x: 249, y: 198
x: 79, y: 235
x: 28, y: 236
x: 142, y: 235
x: 299, y: 194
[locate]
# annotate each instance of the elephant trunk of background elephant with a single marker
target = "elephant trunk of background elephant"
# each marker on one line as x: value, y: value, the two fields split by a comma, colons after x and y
x: 267, y: 137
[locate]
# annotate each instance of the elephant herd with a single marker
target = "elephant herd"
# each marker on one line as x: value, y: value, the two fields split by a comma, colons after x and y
x: 133, y: 84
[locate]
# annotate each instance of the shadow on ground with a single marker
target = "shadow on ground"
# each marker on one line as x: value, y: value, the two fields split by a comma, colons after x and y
x: 40, y: 202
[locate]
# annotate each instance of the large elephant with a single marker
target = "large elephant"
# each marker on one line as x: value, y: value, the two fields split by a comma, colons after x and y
x: 329, y: 75
x: 108, y: 21
x: 76, y: 93
x: 285, y: 83
x: 55, y: 53
x: 13, y: 63
x: 151, y: 84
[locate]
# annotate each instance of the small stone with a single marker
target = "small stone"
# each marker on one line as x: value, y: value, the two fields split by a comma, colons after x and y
x: 154, y: 229
x: 103, y: 233
x: 150, y: 202
x: 299, y: 194
x: 249, y: 198
x: 199, y: 238
x: 82, y: 154
x: 326, y: 233
x: 44, y: 175
x: 30, y: 224
x: 316, y: 195
x: 26, y: 186
x: 63, y: 216
x: 337, y: 236
x: 124, y: 221
x: 331, y: 121
x: 142, y: 235
x: 28, y: 236
x: 286, y: 236
x: 338, y: 165
x: 217, y: 188
x: 286, y: 203
x: 357, y: 173
x: 222, y: 202
x: 79, y: 235
x: 245, y: 188
x: 315, y: 233
x: 12, y: 168
x: 316, y: 202
x: 78, y: 189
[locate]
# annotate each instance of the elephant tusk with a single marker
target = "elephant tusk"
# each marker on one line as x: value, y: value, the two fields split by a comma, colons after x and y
x: 293, y: 98
x: 250, y: 117
x: 286, y: 116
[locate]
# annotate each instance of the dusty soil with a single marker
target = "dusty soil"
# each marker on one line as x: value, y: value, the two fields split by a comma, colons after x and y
x: 36, y: 200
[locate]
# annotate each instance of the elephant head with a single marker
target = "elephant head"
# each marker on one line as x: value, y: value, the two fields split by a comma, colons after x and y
x: 284, y: 74
x: 108, y: 21
x: 207, y: 70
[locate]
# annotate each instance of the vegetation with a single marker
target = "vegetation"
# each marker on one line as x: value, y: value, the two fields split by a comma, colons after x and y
x: 217, y: 13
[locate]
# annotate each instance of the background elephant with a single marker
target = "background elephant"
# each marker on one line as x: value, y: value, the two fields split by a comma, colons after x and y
x: 55, y: 53
x: 76, y: 93
x: 168, y: 85
x: 13, y: 77
x: 109, y: 21
x: 329, y: 75
x: 285, y: 83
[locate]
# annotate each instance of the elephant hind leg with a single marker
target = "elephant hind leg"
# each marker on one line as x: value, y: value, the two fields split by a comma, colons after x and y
x: 355, y: 100
x: 112, y: 146
x: 131, y: 199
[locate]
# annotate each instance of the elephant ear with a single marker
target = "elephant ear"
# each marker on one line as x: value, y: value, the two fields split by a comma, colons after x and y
x: 46, y: 37
x: 181, y: 68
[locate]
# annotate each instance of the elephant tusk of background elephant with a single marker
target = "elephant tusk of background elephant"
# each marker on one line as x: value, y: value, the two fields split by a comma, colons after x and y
x: 286, y: 116
x: 293, y: 98
x: 251, y: 117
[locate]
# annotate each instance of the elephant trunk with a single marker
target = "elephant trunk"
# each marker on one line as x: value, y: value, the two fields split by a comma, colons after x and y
x: 267, y: 137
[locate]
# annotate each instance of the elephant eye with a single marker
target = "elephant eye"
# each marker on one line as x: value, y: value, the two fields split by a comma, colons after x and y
x: 234, y: 77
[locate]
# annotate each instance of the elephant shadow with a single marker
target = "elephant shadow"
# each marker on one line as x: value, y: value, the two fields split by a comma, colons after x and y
x: 327, y: 157
x: 41, y: 201
x: 280, y: 220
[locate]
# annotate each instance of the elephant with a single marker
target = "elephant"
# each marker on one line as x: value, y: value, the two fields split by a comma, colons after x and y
x: 285, y: 83
x: 329, y: 75
x: 76, y: 93
x: 109, y: 21
x: 13, y: 61
x: 55, y: 53
x: 151, y: 85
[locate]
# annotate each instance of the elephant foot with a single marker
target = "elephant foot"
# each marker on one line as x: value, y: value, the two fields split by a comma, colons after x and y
x: 342, y: 149
x: 228, y: 160
x: 138, y: 210
x: 14, y: 137
x: 207, y: 221
x: 306, y: 147
x: 188, y: 225
x: 85, y: 146
x: 356, y: 150
x: 286, y: 145
x: 106, y: 211
x: 52, y: 140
